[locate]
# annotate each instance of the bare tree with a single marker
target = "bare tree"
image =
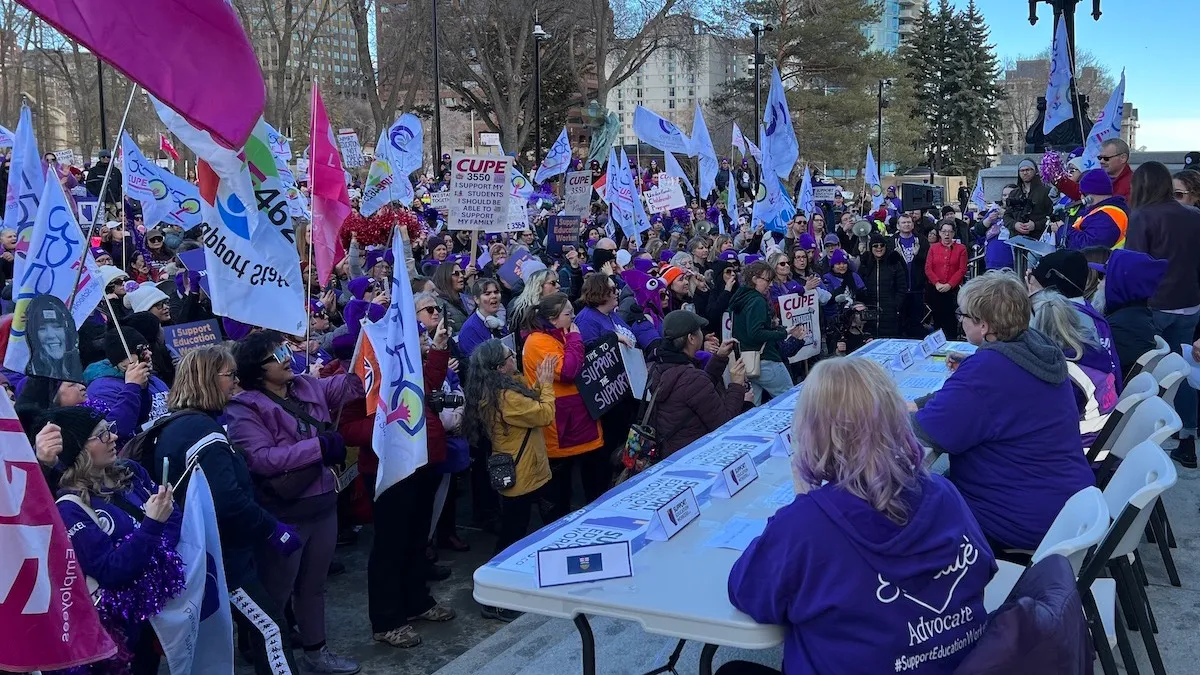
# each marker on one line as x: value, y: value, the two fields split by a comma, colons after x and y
x: 403, y: 44
x: 1025, y: 80
x: 15, y: 32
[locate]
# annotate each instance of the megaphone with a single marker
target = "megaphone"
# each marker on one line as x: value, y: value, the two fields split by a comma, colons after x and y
x: 862, y: 228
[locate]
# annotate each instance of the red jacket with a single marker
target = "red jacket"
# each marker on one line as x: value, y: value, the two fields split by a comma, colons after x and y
x: 946, y: 264
x: 437, y: 362
x: 1121, y: 182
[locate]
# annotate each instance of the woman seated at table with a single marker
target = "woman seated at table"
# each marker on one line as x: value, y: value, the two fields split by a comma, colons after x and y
x: 1008, y: 418
x: 1095, y: 388
x: 876, y: 563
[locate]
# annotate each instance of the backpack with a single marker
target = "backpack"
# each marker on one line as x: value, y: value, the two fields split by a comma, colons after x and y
x: 141, y: 448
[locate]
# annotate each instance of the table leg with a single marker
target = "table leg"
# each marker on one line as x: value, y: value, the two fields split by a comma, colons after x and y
x: 589, y: 644
x: 706, y: 659
x: 671, y: 662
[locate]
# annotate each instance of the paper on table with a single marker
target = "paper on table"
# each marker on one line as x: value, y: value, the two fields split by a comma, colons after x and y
x: 1194, y: 376
x: 737, y: 533
x: 782, y: 496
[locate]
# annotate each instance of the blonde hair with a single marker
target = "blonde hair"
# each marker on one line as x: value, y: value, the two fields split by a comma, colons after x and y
x: 773, y: 261
x: 851, y: 429
x: 999, y: 299
x: 1057, y: 319
x: 197, y: 379
x: 84, y: 479
x: 714, y: 249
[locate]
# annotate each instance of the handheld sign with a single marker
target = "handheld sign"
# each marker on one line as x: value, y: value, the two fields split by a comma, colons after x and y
x: 479, y: 192
x: 726, y: 327
x: 578, y: 193
x: 185, y: 337
x: 801, y: 309
x: 735, y: 476
x: 508, y: 272
x: 673, y: 516
x: 562, y: 231
x: 193, y: 260
x: 602, y: 382
x: 577, y: 564
x: 635, y: 370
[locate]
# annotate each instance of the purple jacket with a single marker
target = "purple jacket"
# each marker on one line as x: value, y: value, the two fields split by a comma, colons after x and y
x: 274, y: 441
x: 130, y: 406
x: 475, y: 332
x: 859, y: 594
x: 1014, y: 465
x: 594, y: 324
x: 1096, y: 227
x: 1104, y: 359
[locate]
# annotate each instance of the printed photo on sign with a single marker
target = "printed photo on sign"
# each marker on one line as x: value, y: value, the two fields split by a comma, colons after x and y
x: 53, y: 340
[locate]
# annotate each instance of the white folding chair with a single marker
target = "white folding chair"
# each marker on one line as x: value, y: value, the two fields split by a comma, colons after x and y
x: 1143, y: 475
x: 1141, y: 387
x: 1170, y: 372
x: 1147, y: 361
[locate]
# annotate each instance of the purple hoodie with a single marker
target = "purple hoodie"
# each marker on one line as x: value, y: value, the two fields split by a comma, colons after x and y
x: 859, y: 594
x: 274, y: 441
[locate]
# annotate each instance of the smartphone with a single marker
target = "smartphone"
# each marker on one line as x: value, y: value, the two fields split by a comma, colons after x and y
x: 737, y: 351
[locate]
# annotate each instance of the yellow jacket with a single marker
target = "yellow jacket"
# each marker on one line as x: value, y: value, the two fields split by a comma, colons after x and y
x: 520, y: 414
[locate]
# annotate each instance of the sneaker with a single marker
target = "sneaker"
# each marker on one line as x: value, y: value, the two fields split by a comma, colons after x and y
x: 437, y: 572
x: 403, y: 637
x: 499, y: 613
x: 325, y: 661
x: 1185, y: 454
x: 437, y: 614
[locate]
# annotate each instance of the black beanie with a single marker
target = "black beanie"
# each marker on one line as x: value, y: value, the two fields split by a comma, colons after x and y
x: 1065, y: 271
x: 114, y: 351
x: 145, y: 323
x: 77, y: 423
x: 601, y: 256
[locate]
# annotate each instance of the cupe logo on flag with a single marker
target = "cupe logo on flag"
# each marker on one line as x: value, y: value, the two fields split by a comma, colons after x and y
x: 400, y: 136
x: 406, y: 407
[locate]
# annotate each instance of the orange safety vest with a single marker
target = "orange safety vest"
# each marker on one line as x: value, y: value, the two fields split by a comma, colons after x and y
x: 1119, y: 217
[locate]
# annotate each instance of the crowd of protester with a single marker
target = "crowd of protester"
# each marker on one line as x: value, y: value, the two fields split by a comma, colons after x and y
x: 272, y: 417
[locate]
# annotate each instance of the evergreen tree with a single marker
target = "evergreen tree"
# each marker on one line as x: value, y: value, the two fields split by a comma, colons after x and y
x: 980, y: 117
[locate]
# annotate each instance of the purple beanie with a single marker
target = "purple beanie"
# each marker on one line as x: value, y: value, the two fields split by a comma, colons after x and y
x: 358, y: 287
x: 643, y: 265
x: 838, y: 257
x: 806, y: 242
x: 728, y: 255
x: 1095, y: 182
x: 235, y: 330
x: 665, y: 255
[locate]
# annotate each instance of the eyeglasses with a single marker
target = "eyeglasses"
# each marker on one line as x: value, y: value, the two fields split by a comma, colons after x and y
x: 1105, y: 158
x: 456, y: 273
x: 104, y: 436
x: 960, y: 315
x: 1180, y: 194
x: 231, y: 375
x: 281, y: 355
x: 509, y: 354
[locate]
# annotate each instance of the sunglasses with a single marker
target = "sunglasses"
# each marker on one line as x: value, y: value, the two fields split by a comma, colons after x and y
x: 1105, y: 158
x: 432, y: 309
x: 281, y: 355
x: 154, y: 240
x: 1180, y: 194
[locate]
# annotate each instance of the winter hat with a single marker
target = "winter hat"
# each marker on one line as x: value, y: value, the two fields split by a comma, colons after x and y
x: 1026, y: 163
x: 358, y: 286
x: 144, y: 323
x: 76, y: 424
x: 389, y: 257
x: 144, y: 297
x: 600, y: 257
x: 1065, y: 271
x: 111, y: 273
x: 435, y: 241
x: 750, y: 258
x: 665, y: 255
x: 374, y: 256
x: 839, y: 257
x: 669, y: 274
x: 98, y: 253
x: 806, y: 242
x: 1075, y: 163
x: 114, y: 349
x: 1095, y: 182
x: 831, y: 238
x: 730, y: 255
x: 315, y: 306
x: 530, y: 266
x: 623, y: 258
x: 877, y: 238
x: 643, y: 265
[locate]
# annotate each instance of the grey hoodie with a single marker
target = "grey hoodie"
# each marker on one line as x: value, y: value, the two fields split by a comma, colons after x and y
x: 1035, y: 354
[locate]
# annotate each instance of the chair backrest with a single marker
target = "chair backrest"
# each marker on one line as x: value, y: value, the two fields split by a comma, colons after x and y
x: 1144, y: 474
x: 1146, y: 362
x: 1169, y: 372
x: 1141, y: 387
x: 1152, y: 420
x: 1080, y: 525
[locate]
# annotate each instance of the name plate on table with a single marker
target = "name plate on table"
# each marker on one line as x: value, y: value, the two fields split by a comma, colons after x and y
x: 577, y: 564
x: 921, y: 350
x: 673, y: 516
x: 903, y: 359
x: 783, y: 444
x: 933, y: 342
x: 736, y: 475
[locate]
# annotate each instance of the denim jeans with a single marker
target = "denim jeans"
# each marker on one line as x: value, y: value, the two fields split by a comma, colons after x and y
x: 1177, y: 329
x: 773, y: 377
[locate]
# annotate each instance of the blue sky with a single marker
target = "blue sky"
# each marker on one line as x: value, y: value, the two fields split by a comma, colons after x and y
x: 1151, y: 39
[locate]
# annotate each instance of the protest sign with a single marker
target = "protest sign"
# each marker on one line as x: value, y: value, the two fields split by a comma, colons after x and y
x: 802, y: 309
x: 352, y: 156
x: 510, y: 271
x: 64, y: 157
x: 193, y: 260
x: 824, y: 193
x: 561, y: 231
x: 602, y: 382
x: 479, y: 193
x: 185, y: 337
x: 635, y: 370
x: 578, y: 194
x: 666, y: 197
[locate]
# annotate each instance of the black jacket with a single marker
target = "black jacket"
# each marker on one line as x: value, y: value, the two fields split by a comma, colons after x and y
x: 886, y: 283
x: 1039, y: 199
x: 95, y: 180
x: 1170, y: 231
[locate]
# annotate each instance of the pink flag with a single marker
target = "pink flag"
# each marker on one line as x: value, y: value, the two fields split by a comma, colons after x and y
x: 330, y: 198
x: 46, y: 613
x: 192, y: 55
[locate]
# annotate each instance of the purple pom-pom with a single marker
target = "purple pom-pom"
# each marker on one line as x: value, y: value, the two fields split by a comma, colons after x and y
x: 131, y: 286
x: 1053, y: 168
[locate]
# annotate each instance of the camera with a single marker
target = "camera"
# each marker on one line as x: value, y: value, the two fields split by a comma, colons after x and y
x: 1018, y: 208
x: 439, y: 400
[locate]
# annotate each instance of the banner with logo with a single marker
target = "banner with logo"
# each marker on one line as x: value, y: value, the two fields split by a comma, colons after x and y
x: 56, y: 249
x: 165, y: 197
x: 249, y: 242
x: 662, y: 134
x: 281, y: 150
x: 25, y: 183
x: 46, y: 613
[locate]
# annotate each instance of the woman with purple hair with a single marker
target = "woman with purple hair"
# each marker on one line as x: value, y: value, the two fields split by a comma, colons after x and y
x: 840, y: 565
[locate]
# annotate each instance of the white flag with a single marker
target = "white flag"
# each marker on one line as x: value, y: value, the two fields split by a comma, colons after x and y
x: 779, y: 141
x: 739, y: 141
x: 281, y: 150
x: 384, y: 184
x: 195, y: 628
x: 25, y: 183
x: 557, y: 159
x: 56, y: 249
x: 671, y: 165
x: 627, y: 194
x: 977, y: 193
x: 249, y: 243
x: 1108, y: 125
x: 807, y: 203
x: 399, y: 438
x: 7, y: 138
x: 653, y: 129
x: 702, y: 146
x: 1058, y: 86
x: 772, y: 206
x: 871, y: 174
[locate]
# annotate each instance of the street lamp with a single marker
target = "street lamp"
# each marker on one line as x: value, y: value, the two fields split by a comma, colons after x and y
x: 538, y: 36
x: 879, y: 127
x: 437, y: 94
x: 757, y: 29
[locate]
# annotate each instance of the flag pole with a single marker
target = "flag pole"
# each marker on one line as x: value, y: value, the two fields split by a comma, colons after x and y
x: 100, y: 206
x: 308, y: 295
